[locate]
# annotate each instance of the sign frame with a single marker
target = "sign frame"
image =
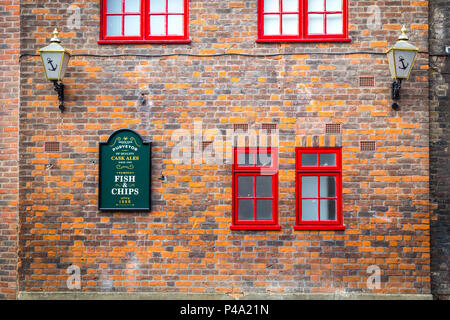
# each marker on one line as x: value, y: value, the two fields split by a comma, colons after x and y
x: 149, y: 178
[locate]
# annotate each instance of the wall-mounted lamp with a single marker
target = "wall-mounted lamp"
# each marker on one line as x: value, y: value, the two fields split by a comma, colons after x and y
x: 401, y: 59
x: 55, y: 60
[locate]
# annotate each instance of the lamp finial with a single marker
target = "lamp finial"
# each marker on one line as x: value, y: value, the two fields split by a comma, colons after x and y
x: 403, y: 36
x: 55, y: 36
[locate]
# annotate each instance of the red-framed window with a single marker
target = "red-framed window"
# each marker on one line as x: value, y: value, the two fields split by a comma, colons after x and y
x: 319, y: 189
x: 303, y: 20
x: 255, y: 189
x: 135, y: 21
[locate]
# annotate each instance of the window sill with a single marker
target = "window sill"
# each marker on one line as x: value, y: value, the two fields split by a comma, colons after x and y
x: 142, y: 41
x: 303, y: 40
x: 304, y: 227
x: 255, y: 227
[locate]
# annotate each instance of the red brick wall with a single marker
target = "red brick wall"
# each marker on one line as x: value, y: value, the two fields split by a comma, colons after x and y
x: 185, y: 243
x: 9, y: 145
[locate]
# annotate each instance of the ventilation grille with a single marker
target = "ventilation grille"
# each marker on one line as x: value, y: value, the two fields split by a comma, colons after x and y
x: 205, y: 144
x: 51, y: 146
x: 240, y: 127
x: 333, y: 128
x: 269, y: 127
x: 367, y: 81
x: 367, y: 145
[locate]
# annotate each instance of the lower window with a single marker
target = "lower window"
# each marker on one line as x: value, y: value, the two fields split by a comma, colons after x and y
x: 255, y: 189
x: 319, y: 189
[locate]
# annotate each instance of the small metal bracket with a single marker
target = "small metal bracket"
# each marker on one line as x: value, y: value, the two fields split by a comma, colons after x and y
x: 59, y: 88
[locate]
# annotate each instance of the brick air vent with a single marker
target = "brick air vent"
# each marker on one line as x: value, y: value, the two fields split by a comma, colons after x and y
x: 269, y: 127
x: 240, y: 127
x: 333, y: 128
x: 205, y: 144
x: 367, y: 81
x: 51, y: 146
x: 367, y: 145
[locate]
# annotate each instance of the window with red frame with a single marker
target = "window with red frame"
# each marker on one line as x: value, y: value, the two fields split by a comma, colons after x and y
x: 303, y: 20
x: 135, y: 21
x: 255, y: 189
x: 319, y: 189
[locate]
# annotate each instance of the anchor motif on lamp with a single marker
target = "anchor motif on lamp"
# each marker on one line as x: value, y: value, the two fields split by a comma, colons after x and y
x: 52, y: 67
x: 402, y: 61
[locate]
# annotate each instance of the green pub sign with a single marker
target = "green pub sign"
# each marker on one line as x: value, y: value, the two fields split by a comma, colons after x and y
x: 125, y: 167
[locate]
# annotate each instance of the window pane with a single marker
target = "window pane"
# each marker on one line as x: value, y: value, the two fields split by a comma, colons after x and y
x: 264, y: 159
x: 334, y: 24
x: 114, y: 6
x: 132, y: 25
x: 245, y: 186
x: 290, y: 23
x: 132, y: 6
x: 246, y: 209
x: 327, y: 209
x: 328, y: 186
x: 327, y: 159
x: 271, y: 6
x: 114, y: 25
x: 315, y: 5
x: 264, y: 186
x: 309, y: 186
x: 334, y: 5
x: 175, y: 25
x: 175, y: 6
x: 271, y: 24
x: 157, y: 6
x: 315, y: 23
x: 309, y: 159
x: 157, y: 25
x: 290, y: 5
x: 310, y: 209
x: 264, y: 209
x: 246, y: 159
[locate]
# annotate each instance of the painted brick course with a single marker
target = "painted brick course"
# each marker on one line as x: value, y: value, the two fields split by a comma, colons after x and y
x: 185, y: 244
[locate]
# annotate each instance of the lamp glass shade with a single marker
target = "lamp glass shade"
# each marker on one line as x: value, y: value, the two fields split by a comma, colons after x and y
x: 55, y: 60
x: 401, y: 59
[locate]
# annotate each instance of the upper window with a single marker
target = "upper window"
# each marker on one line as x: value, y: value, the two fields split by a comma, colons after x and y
x: 144, y: 21
x: 319, y: 189
x: 255, y: 189
x: 303, y: 20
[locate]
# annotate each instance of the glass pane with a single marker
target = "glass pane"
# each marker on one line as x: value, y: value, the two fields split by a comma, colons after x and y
x: 246, y: 159
x: 264, y: 209
x: 310, y: 209
x: 264, y: 186
x: 309, y: 186
x: 175, y: 6
x: 290, y: 23
x: 132, y: 25
x: 157, y: 6
x: 290, y: 5
x: 245, y: 186
x: 271, y: 5
x: 157, y: 25
x: 271, y: 24
x: 334, y: 24
x: 175, y: 25
x: 246, y: 209
x: 264, y: 159
x: 328, y: 159
x: 328, y: 186
x: 327, y: 209
x: 132, y: 6
x: 114, y: 25
x: 315, y: 5
x: 315, y: 23
x: 334, y: 5
x: 114, y: 6
x: 309, y: 159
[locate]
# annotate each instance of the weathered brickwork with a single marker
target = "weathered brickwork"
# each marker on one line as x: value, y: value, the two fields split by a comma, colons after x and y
x: 185, y: 244
x: 439, y: 148
x: 9, y: 146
